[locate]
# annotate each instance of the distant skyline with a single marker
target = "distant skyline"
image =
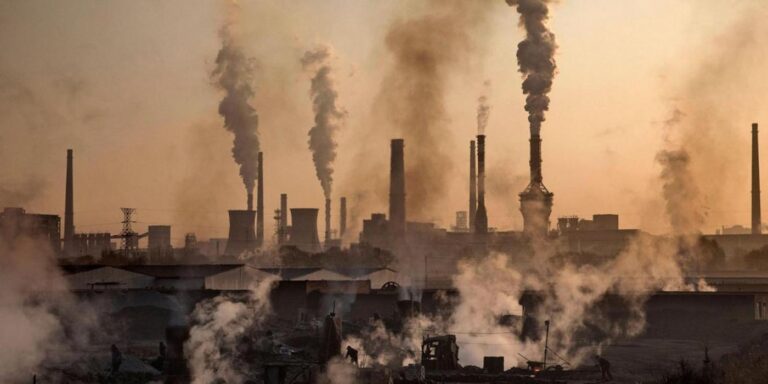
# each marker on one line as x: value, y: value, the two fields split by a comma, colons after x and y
x: 127, y: 85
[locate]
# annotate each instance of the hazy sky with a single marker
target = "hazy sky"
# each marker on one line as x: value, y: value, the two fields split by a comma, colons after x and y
x: 127, y: 85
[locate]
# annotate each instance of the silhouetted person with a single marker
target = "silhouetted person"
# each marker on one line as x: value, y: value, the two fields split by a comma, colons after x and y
x: 351, y: 355
x: 605, y: 367
x: 117, y: 359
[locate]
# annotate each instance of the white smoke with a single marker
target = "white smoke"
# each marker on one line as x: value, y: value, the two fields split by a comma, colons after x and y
x: 490, y: 288
x: 43, y: 324
x: 219, y: 327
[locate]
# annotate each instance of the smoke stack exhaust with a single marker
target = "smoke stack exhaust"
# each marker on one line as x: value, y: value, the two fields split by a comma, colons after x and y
x: 481, y: 217
x: 757, y: 223
x: 536, y: 199
x: 327, y: 221
x: 259, y: 203
x: 69, y: 209
x: 472, y: 186
x: 342, y: 217
x: 397, y: 189
x: 282, y: 231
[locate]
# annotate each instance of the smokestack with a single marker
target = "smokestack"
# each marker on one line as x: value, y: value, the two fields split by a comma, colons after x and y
x: 282, y: 233
x: 259, y: 203
x: 327, y: 221
x: 481, y: 217
x: 69, y: 210
x: 342, y: 217
x: 304, y: 229
x: 536, y: 199
x: 472, y: 186
x: 756, y: 219
x: 397, y: 189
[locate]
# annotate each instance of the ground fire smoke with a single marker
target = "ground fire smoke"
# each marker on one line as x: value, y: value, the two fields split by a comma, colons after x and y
x: 44, y: 326
x: 536, y: 58
x: 233, y: 74
x: 220, y: 328
x: 328, y: 116
x: 680, y: 192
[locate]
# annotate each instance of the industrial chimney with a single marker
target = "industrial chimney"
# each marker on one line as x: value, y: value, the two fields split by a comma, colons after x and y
x: 69, y: 210
x: 756, y: 219
x: 481, y: 217
x: 242, y: 236
x: 536, y: 199
x: 397, y: 189
x: 304, y: 229
x: 472, y: 186
x: 342, y: 217
x: 327, y: 222
x: 282, y: 231
x: 259, y: 203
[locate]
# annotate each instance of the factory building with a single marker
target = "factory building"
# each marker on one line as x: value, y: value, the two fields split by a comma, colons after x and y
x: 16, y: 222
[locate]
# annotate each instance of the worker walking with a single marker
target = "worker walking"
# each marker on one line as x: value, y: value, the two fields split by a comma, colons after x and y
x: 605, y: 367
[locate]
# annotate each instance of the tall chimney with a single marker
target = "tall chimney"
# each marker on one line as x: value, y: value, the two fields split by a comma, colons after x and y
x: 327, y: 221
x: 260, y: 204
x: 282, y: 232
x: 536, y: 199
x: 397, y: 189
x: 472, y: 186
x: 69, y: 210
x: 342, y: 217
x: 756, y: 220
x: 481, y: 217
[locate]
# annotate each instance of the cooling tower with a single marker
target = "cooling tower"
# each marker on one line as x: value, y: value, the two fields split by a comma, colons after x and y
x: 159, y: 237
x: 304, y: 229
x: 397, y: 189
x: 69, y: 210
x: 481, y: 217
x: 756, y: 216
x: 242, y: 233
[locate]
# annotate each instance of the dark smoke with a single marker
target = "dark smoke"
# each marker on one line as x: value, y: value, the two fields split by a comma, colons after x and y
x: 536, y: 58
x: 426, y: 50
x: 233, y: 74
x: 680, y: 192
x: 328, y: 116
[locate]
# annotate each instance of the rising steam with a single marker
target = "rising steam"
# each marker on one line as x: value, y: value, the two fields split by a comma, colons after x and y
x: 536, y: 58
x: 221, y: 333
x: 328, y: 116
x: 233, y: 74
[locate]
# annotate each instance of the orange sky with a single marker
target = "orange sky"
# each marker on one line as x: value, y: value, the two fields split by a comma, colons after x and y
x: 126, y: 85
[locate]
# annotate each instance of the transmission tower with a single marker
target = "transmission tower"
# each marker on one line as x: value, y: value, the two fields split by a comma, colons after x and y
x: 128, y: 235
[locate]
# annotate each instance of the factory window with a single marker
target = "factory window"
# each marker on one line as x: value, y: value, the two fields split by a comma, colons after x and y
x: 760, y: 310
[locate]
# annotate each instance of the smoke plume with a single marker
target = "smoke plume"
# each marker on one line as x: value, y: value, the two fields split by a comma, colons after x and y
x: 681, y: 196
x: 483, y: 112
x: 221, y: 326
x: 233, y: 74
x: 328, y: 116
x: 536, y: 58
x: 570, y: 297
x: 44, y: 326
x: 426, y: 50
